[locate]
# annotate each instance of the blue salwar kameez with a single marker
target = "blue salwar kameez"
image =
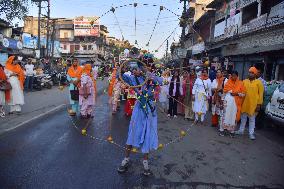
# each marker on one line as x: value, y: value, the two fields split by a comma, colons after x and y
x: 74, y: 104
x: 143, y: 132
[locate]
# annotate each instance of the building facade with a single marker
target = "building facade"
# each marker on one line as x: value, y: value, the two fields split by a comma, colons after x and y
x: 247, y: 33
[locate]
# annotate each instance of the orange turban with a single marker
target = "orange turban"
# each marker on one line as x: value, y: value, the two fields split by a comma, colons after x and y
x: 253, y: 70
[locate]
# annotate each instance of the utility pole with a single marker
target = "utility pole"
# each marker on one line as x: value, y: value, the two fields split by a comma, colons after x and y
x: 38, y: 31
x: 167, y: 50
x: 52, y: 39
x: 183, y: 23
x: 47, y: 26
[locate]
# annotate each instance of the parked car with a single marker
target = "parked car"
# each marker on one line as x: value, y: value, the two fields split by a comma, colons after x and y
x: 275, y: 108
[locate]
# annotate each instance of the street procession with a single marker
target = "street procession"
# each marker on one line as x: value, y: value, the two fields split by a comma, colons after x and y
x: 145, y: 94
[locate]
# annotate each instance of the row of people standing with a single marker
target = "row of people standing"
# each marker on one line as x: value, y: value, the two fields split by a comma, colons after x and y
x: 230, y: 99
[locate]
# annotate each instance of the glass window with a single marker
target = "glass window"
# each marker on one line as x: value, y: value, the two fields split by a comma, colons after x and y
x: 77, y: 47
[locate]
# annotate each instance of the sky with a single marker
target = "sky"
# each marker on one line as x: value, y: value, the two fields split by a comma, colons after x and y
x: 146, y: 17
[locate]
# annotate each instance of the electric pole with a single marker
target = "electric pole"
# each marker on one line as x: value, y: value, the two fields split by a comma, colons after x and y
x: 52, y: 39
x: 183, y: 24
x: 167, y: 50
x: 38, y: 31
x: 47, y: 26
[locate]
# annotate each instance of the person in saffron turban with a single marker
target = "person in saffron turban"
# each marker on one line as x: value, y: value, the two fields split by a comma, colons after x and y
x: 16, y: 77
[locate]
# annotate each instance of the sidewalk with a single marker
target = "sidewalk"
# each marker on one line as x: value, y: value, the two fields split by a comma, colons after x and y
x: 40, y: 103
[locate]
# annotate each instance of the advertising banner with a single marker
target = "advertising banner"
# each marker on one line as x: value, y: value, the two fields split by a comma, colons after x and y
x: 86, y: 26
x: 30, y: 42
x: 219, y: 29
x: 232, y: 25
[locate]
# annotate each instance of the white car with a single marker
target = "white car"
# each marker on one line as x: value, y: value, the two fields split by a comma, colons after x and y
x: 275, y: 108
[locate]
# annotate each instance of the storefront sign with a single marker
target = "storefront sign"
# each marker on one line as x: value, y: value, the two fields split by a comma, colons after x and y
x: 27, y: 52
x: 86, y: 26
x: 254, y: 24
x: 29, y: 41
x: 198, y: 48
x: 12, y: 43
x: 219, y: 29
x: 195, y: 62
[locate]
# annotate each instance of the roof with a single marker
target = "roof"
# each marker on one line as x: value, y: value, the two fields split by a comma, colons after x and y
x: 215, y: 4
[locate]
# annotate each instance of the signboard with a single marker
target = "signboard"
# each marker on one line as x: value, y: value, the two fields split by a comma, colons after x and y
x: 195, y: 62
x: 220, y: 29
x: 12, y: 43
x: 253, y: 24
x: 232, y: 25
x: 29, y: 41
x: 198, y: 48
x: 86, y: 26
x: 37, y: 52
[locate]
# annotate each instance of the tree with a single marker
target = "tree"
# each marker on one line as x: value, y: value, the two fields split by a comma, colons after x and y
x: 11, y: 9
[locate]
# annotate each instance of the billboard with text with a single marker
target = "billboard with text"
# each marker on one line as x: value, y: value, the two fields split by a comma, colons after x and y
x: 86, y: 26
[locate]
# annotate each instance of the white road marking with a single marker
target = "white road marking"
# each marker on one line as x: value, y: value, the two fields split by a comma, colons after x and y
x: 34, y: 118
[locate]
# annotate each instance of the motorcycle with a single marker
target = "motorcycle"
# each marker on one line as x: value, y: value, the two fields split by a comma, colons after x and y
x: 46, y: 81
x: 37, y: 83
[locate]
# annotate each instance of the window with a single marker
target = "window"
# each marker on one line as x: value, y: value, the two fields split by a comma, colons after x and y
x: 64, y: 47
x: 90, y: 47
x: 266, y: 5
x: 77, y: 47
x: 84, y: 47
x: 249, y: 13
x: 65, y: 34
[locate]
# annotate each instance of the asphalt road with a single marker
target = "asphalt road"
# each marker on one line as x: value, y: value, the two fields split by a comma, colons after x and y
x: 51, y: 153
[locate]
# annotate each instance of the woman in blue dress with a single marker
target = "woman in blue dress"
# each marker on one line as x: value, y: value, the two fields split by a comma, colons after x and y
x: 142, y: 131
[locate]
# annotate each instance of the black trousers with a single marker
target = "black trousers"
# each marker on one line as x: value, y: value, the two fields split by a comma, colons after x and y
x: 173, y: 105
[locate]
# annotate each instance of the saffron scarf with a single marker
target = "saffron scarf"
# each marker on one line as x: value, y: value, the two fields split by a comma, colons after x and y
x: 236, y: 87
x: 75, y: 73
x: 16, y: 69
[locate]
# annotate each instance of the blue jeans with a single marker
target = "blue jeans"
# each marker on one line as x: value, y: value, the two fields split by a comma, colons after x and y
x: 29, y: 82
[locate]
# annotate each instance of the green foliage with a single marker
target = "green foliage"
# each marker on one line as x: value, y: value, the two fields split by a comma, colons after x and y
x: 12, y: 9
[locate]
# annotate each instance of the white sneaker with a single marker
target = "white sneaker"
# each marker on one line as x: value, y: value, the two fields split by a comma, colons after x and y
x: 169, y: 115
x: 175, y: 116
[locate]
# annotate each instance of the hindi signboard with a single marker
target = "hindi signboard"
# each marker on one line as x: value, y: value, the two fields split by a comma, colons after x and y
x: 86, y: 26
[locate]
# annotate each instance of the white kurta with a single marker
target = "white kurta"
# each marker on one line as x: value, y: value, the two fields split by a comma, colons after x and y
x: 17, y: 94
x: 163, y: 96
x: 202, y: 91
x: 230, y: 111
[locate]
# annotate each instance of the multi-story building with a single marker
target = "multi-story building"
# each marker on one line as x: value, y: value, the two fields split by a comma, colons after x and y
x: 244, y: 33
x: 79, y: 37
x: 10, y: 41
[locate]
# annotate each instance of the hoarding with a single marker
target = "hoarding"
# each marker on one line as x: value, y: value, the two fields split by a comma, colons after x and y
x: 86, y: 26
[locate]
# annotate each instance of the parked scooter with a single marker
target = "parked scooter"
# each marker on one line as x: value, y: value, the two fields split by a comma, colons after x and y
x: 37, y: 83
x: 46, y: 81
